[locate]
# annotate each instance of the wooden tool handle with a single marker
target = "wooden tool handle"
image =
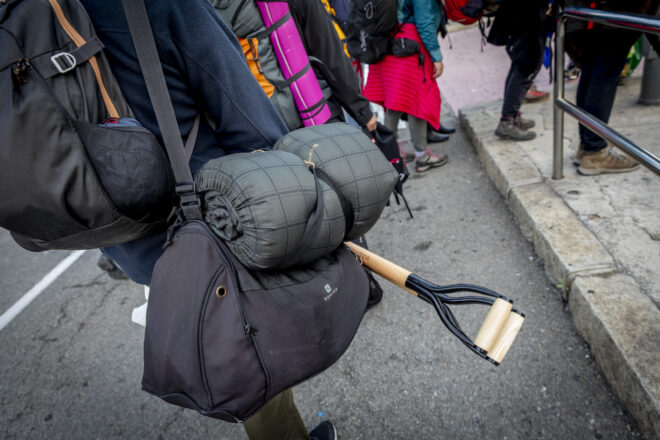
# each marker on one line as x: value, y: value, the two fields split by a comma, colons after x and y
x: 396, y: 275
x: 493, y: 324
x: 507, y: 336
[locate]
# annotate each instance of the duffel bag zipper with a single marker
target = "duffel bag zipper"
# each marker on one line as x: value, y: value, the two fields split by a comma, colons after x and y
x: 247, y: 328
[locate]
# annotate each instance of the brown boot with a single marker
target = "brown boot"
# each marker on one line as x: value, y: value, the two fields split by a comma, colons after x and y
x: 578, y: 155
x: 507, y: 129
x: 605, y: 161
x: 522, y: 123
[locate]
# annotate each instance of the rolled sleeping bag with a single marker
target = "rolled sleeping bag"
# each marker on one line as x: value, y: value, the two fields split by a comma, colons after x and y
x: 259, y: 204
x: 354, y: 164
x: 294, y: 63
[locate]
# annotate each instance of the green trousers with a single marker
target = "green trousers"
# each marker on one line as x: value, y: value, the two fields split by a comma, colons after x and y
x: 278, y: 420
x: 416, y: 126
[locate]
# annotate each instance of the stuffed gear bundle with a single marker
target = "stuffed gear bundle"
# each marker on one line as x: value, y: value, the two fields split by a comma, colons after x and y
x: 260, y: 203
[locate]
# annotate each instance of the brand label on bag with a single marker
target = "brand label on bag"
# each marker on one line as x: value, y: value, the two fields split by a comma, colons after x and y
x: 330, y: 291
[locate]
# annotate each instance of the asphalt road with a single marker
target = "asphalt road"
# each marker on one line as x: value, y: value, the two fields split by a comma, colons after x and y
x: 72, y: 359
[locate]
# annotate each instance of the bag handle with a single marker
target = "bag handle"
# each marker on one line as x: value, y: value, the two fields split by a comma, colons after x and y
x: 145, y: 48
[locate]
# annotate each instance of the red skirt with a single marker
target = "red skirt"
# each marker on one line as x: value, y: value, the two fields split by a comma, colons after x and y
x: 401, y: 84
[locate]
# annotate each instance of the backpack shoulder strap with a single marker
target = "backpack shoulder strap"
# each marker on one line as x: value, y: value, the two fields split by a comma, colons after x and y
x: 145, y: 48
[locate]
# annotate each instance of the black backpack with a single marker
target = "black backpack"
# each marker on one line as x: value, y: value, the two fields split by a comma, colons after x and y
x: 77, y: 171
x: 370, y: 26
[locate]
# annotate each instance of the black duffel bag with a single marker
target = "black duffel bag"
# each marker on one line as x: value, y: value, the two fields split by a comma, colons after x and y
x: 224, y: 340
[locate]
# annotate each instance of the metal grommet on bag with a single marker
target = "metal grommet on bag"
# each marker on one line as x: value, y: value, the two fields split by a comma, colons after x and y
x: 221, y: 292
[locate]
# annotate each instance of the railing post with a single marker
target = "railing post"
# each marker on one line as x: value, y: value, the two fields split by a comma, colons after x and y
x: 650, y: 91
x: 558, y: 113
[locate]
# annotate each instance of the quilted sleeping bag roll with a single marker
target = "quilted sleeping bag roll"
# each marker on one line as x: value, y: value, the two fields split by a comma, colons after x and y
x: 353, y: 163
x: 259, y: 204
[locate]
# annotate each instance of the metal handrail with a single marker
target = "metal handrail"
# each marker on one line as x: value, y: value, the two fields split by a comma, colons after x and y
x: 627, y: 21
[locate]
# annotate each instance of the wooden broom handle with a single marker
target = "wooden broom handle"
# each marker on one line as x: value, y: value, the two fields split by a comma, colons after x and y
x: 396, y: 275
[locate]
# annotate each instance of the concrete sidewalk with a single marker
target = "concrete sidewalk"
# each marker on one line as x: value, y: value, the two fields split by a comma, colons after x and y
x: 598, y: 236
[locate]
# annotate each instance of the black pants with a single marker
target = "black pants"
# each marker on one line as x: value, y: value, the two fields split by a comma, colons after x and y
x: 604, y: 55
x: 526, y: 55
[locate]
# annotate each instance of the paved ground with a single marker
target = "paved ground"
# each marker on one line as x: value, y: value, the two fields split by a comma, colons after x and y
x: 72, y: 360
x: 598, y: 236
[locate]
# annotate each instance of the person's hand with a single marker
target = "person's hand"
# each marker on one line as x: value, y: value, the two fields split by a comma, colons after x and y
x: 438, y: 67
x: 372, y: 124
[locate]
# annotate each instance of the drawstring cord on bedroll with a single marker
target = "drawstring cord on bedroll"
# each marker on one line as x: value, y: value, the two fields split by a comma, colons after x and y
x: 308, y: 162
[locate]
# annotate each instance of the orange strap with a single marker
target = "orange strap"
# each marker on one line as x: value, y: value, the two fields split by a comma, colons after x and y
x: 340, y: 32
x: 80, y: 41
x: 250, y: 51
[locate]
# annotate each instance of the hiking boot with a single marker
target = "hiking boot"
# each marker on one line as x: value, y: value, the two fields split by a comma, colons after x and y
x: 578, y: 156
x: 508, y: 130
x: 523, y: 123
x: 429, y: 160
x: 535, y: 95
x: 325, y: 431
x: 605, y: 161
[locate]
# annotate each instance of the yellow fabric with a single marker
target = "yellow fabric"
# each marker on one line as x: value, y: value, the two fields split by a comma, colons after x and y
x: 251, y: 56
x: 340, y: 33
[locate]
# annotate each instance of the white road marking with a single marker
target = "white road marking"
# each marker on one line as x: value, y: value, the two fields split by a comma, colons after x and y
x: 42, y: 285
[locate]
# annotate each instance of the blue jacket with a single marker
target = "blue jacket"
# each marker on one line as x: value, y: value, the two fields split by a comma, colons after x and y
x: 427, y: 16
x: 205, y: 73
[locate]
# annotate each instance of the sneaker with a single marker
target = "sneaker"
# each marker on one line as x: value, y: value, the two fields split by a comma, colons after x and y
x: 535, y: 95
x: 508, y: 129
x: 571, y: 73
x: 605, y: 161
x: 578, y: 156
x: 429, y: 160
x: 325, y: 431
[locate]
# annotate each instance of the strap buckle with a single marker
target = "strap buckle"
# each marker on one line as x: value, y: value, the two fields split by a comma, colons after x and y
x: 183, y: 189
x: 188, y: 200
x: 187, y: 192
x: 64, y: 62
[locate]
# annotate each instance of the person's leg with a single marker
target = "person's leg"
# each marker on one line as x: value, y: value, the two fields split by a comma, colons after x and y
x: 425, y: 159
x: 439, y: 135
x: 606, y: 53
x: 514, y: 94
x: 511, y: 125
x: 279, y: 418
x: 392, y: 120
x: 515, y: 87
x: 583, y: 86
x: 417, y: 128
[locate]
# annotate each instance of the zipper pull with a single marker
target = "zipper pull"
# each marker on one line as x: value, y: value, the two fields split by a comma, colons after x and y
x: 249, y: 330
